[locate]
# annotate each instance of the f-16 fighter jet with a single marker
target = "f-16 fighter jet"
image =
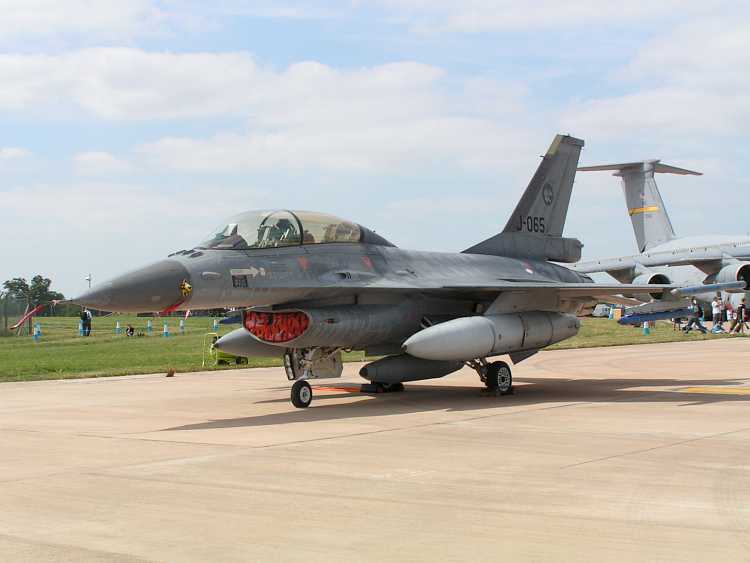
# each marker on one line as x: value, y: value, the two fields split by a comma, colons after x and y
x: 312, y: 285
x: 700, y: 265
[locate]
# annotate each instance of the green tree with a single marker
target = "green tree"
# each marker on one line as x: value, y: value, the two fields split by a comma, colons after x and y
x: 18, y: 288
x: 34, y: 293
x: 40, y: 291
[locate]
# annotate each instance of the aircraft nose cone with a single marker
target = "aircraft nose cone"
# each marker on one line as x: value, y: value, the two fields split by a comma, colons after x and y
x: 100, y: 297
x: 153, y: 288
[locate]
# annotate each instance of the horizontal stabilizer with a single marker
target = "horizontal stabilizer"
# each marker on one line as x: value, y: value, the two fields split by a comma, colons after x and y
x: 525, y: 245
x: 655, y: 165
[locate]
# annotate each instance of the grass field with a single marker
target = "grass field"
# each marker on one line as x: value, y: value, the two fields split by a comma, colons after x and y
x: 62, y: 353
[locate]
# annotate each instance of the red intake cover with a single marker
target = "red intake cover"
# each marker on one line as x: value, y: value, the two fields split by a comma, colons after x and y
x: 276, y: 327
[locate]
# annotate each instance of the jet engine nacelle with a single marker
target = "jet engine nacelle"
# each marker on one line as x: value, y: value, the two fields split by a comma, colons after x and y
x: 401, y: 368
x: 646, y: 278
x: 739, y: 271
x: 468, y: 338
x: 332, y: 327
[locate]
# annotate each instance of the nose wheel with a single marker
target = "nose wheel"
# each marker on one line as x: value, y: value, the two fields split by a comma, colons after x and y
x: 301, y: 394
x: 498, y: 378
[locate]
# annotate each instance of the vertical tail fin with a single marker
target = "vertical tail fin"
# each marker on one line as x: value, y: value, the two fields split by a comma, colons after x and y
x: 544, y: 205
x: 535, y: 228
x: 648, y: 215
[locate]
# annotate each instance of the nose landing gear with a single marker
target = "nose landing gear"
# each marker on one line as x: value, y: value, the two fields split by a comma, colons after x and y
x: 310, y: 363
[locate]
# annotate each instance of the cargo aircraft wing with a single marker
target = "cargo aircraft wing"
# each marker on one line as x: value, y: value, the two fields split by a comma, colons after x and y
x: 707, y: 260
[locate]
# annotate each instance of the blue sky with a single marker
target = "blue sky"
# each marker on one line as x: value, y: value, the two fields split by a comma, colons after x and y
x: 128, y: 129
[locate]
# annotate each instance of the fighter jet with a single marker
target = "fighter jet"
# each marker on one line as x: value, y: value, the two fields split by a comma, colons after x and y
x: 699, y: 265
x: 311, y: 285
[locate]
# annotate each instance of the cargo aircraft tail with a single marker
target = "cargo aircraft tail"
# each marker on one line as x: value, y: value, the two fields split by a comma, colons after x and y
x: 651, y: 224
x: 534, y: 229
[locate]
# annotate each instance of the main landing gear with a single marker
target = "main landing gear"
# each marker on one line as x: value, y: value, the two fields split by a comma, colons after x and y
x: 376, y: 387
x: 496, y: 376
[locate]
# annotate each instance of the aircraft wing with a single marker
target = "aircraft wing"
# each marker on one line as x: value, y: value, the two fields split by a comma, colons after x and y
x: 706, y: 259
x: 569, y: 290
x: 609, y: 293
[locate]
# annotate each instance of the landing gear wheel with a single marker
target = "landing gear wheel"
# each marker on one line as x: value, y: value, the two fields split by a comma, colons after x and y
x: 375, y: 387
x: 390, y: 387
x: 301, y: 394
x: 499, y: 378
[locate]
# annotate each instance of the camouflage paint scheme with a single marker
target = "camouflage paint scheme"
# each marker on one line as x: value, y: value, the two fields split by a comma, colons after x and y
x: 367, y: 294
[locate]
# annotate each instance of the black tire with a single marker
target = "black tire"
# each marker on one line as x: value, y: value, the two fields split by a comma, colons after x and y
x: 499, y: 378
x: 301, y: 394
x: 390, y: 387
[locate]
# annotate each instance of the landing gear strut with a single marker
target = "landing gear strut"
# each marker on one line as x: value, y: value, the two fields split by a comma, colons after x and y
x: 496, y: 376
x: 302, y: 364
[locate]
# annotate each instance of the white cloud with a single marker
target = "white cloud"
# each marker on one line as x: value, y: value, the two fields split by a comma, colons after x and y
x: 393, y: 116
x: 691, y: 80
x: 13, y: 161
x: 101, y: 18
x: 132, y: 84
x: 477, y: 16
x: 129, y: 84
x: 661, y: 111
x: 281, y: 9
x: 306, y: 115
x: 13, y: 153
x: 99, y: 163
x: 362, y: 145
x: 379, y: 118
x: 711, y: 53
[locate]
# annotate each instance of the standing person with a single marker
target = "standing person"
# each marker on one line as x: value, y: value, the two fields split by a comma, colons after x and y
x: 740, y: 317
x: 716, y: 306
x: 695, y: 319
x: 728, y: 311
x: 84, y: 321
x: 87, y: 322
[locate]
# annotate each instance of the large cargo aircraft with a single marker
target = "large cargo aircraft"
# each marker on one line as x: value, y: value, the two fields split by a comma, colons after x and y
x: 714, y: 262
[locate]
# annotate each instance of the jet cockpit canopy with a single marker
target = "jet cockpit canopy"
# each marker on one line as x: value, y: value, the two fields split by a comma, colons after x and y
x: 277, y: 228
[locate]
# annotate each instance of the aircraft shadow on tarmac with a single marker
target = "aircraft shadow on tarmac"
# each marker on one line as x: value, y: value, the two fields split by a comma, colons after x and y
x: 531, y: 392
